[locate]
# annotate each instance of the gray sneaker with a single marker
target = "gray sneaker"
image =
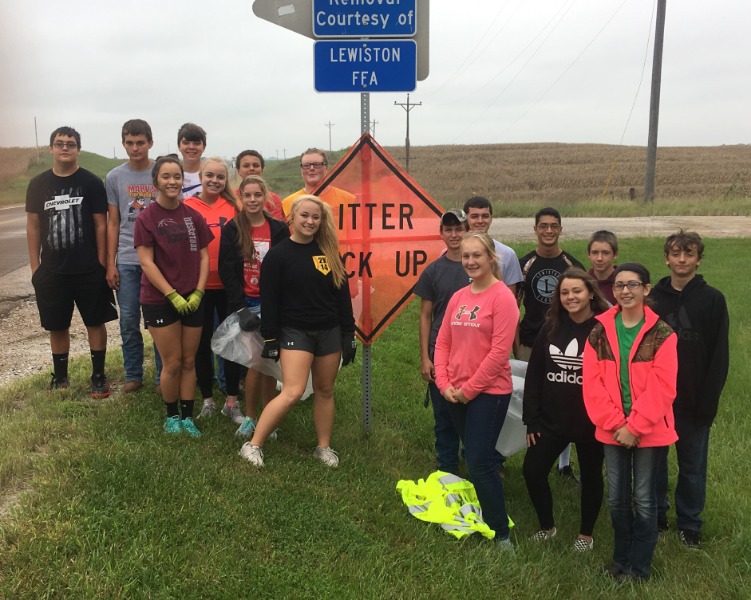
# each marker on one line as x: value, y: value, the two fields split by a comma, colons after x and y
x: 208, y: 409
x: 233, y: 412
x: 327, y: 456
x: 253, y: 454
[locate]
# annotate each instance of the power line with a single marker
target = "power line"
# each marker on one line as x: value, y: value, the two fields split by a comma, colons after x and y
x: 407, y: 107
x: 329, y: 125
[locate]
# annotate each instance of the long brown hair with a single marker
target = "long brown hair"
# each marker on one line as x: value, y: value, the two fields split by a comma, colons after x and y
x: 326, y: 236
x: 556, y: 312
x: 242, y: 220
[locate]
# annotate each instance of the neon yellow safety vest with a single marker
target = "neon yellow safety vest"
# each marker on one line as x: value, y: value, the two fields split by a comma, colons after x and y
x: 448, y: 500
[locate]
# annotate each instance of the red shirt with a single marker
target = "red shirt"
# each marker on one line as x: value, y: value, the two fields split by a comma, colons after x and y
x: 252, y: 269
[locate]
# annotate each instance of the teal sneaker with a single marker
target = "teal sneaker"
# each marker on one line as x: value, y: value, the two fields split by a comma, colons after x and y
x: 246, y: 430
x: 172, y: 426
x: 190, y: 428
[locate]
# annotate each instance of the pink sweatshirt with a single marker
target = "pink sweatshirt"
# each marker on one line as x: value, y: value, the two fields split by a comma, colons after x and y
x: 474, y: 342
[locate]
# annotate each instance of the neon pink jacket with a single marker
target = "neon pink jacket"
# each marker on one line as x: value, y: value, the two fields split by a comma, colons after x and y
x: 653, y: 369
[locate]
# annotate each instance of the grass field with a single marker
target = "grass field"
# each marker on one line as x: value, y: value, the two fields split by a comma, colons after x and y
x: 98, y: 503
x: 19, y: 165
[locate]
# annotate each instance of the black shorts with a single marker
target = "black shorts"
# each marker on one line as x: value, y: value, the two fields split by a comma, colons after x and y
x: 56, y: 295
x: 161, y: 315
x: 318, y: 343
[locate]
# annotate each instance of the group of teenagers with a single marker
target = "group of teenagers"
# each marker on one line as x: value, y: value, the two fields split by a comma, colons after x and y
x: 618, y: 366
x: 182, y: 247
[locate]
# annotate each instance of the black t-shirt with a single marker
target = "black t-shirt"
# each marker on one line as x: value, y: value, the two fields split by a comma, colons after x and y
x: 66, y: 206
x: 297, y: 290
x: 540, y: 278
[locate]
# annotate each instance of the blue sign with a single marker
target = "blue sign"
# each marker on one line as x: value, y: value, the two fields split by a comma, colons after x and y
x: 360, y: 66
x: 364, y: 18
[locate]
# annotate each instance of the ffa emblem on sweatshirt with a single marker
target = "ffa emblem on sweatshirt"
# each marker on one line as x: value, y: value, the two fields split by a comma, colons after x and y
x: 322, y: 264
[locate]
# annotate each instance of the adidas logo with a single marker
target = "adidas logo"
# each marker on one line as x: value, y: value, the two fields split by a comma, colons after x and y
x: 568, y: 360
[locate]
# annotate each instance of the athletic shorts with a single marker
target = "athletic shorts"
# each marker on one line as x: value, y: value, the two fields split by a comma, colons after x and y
x: 161, y: 315
x: 317, y: 343
x: 56, y: 295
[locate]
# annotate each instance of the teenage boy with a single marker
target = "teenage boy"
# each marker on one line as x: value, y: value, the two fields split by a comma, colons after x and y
x: 191, y: 142
x: 437, y: 283
x: 130, y: 189
x: 313, y: 167
x: 698, y: 313
x: 480, y: 216
x: 541, y: 270
x: 66, y: 223
x: 602, y: 250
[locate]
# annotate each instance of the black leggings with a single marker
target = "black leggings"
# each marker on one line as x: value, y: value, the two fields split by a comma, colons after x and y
x: 214, y: 300
x: 537, y: 464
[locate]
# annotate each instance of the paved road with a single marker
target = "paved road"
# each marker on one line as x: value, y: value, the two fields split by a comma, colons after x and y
x: 13, y: 252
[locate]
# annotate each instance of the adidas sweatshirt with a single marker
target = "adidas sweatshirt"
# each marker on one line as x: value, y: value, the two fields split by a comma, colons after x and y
x: 553, y: 400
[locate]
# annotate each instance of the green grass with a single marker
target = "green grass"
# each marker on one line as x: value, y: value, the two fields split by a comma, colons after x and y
x: 14, y: 191
x: 100, y: 504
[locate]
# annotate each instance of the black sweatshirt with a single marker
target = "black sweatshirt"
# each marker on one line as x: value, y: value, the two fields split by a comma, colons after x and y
x: 298, y: 291
x: 553, y: 385
x: 231, y: 261
x: 699, y: 316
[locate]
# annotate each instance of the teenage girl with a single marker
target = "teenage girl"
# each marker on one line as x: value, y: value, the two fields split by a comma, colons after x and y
x: 246, y: 240
x: 217, y: 205
x: 630, y: 370
x: 473, y: 373
x: 554, y: 410
x: 306, y: 321
x: 171, y: 240
x: 250, y: 162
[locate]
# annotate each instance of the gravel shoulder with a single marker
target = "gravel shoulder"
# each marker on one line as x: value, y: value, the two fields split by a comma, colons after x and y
x: 25, y: 350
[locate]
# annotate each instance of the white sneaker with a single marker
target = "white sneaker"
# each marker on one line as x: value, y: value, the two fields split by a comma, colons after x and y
x: 208, y: 409
x: 327, y: 456
x: 253, y: 454
x: 544, y: 535
x: 233, y: 412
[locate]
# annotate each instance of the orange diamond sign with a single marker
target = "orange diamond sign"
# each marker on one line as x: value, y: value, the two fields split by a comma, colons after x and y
x: 388, y: 233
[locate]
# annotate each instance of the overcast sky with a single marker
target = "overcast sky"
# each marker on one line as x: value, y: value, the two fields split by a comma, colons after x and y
x: 501, y: 71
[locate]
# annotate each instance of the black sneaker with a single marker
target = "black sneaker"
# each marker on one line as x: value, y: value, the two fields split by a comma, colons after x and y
x: 568, y: 473
x: 100, y: 387
x: 662, y: 523
x: 59, y: 384
x: 690, y: 538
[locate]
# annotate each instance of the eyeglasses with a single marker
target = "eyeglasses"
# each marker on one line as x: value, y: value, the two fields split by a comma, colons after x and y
x: 313, y: 165
x: 632, y: 285
x: 551, y: 226
x: 61, y: 145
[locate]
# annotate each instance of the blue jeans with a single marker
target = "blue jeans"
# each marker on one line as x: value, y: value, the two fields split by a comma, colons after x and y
x: 691, y: 449
x: 129, y: 300
x: 479, y: 423
x: 446, y: 436
x: 633, y: 508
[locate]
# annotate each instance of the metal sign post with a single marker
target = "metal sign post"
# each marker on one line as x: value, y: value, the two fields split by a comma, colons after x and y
x: 368, y: 47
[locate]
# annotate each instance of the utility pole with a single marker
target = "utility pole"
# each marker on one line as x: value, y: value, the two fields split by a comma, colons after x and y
x: 329, y: 125
x: 373, y: 123
x: 654, y: 105
x: 407, y: 107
